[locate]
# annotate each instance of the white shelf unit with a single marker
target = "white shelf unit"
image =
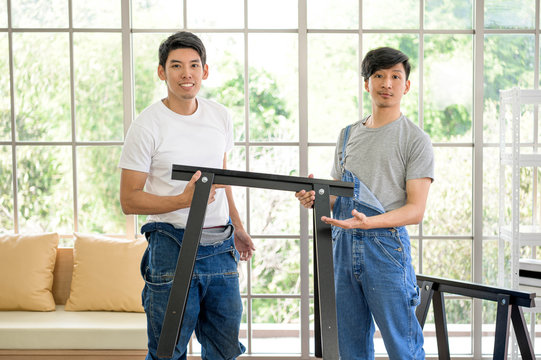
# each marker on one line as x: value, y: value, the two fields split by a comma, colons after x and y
x: 512, y: 156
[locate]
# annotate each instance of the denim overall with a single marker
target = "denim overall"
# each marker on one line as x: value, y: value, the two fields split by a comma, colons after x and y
x: 214, y: 306
x: 374, y: 281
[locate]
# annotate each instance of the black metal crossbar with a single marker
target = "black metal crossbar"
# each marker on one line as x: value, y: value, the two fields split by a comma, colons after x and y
x: 325, y: 327
x: 510, y: 303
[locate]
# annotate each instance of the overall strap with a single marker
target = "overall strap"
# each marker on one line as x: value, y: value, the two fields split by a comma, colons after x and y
x: 344, y: 143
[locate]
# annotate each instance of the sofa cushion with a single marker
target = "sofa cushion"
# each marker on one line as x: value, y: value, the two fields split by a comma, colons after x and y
x: 28, y: 261
x: 72, y: 330
x: 106, y: 274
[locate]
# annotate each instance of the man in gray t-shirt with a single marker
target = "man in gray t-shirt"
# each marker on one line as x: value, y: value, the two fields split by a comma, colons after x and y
x: 391, y: 162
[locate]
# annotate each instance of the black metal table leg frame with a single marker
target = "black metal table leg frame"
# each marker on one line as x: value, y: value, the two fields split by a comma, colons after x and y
x: 325, y: 275
x: 317, y: 318
x: 440, y: 321
x: 521, y: 332
x: 186, y: 258
x: 501, y: 337
x: 427, y: 291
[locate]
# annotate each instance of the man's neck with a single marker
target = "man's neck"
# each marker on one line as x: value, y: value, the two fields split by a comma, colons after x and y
x: 182, y: 107
x: 382, y: 116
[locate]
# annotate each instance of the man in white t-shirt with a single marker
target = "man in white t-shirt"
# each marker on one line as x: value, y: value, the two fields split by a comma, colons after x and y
x: 188, y: 130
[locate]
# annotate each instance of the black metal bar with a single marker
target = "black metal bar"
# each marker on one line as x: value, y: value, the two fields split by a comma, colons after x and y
x: 440, y: 320
x: 427, y: 292
x: 262, y: 180
x: 317, y: 317
x: 184, y: 269
x: 325, y: 279
x: 503, y: 316
x: 521, y: 332
x: 477, y: 291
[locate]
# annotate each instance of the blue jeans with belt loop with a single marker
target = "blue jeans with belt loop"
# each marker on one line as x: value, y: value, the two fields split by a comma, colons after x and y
x: 214, y: 306
x: 375, y: 281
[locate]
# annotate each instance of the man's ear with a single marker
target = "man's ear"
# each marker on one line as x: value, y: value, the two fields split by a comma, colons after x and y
x: 366, y: 87
x: 205, y: 72
x: 407, y: 87
x: 161, y: 72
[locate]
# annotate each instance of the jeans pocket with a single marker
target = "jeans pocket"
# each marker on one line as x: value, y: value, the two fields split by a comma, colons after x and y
x: 161, y: 260
x: 391, y: 247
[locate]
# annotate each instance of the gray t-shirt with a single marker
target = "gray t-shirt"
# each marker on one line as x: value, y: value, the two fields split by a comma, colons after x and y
x: 385, y: 158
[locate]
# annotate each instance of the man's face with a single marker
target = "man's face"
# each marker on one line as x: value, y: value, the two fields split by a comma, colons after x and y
x: 387, y: 86
x: 183, y: 73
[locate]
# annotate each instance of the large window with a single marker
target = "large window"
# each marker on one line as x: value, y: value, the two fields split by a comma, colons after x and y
x: 74, y: 74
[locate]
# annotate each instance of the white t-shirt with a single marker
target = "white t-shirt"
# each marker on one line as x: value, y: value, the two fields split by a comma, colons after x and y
x: 159, y: 138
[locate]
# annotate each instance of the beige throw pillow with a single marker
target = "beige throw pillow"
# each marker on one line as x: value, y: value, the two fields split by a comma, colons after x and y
x: 27, y: 264
x: 106, y: 274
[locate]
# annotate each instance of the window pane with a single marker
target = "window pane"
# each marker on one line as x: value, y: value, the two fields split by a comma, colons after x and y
x: 272, y: 14
x: 333, y: 85
x: 225, y: 84
x: 39, y: 13
x: 274, y: 212
x: 448, y: 14
x: 276, y: 267
x: 376, y: 14
x: 5, y: 97
x: 320, y: 161
x: 448, y: 94
x: 98, y: 184
x: 42, y: 86
x: 273, y: 86
x: 409, y: 45
x: 490, y: 263
x: 45, y: 189
x: 96, y: 14
x: 508, y: 62
x: 337, y: 14
x: 276, y: 321
x: 98, y: 86
x: 449, y: 205
x: 491, y: 187
x: 448, y: 258
x: 281, y: 160
x: 458, y: 326
x: 215, y: 14
x: 3, y: 14
x: 6, y: 190
x: 509, y: 14
x: 151, y: 15
x: 148, y: 87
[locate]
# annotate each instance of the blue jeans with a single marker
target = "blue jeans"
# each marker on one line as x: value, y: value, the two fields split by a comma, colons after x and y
x: 374, y: 281
x: 214, y: 306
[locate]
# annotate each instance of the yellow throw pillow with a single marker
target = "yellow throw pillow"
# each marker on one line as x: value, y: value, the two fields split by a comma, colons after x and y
x: 27, y: 264
x: 106, y: 274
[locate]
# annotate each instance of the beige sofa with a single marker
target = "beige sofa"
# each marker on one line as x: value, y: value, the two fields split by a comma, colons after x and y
x: 62, y: 334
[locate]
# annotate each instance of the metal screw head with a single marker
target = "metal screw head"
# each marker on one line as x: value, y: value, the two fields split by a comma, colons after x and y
x: 503, y: 301
x: 321, y: 191
x: 427, y: 287
x: 204, y: 179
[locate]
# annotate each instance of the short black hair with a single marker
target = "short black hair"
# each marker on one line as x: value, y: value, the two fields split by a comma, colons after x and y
x: 384, y: 58
x: 182, y: 40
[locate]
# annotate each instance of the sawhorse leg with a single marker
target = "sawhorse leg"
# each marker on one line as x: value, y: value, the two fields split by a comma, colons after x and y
x: 326, y: 329
x: 429, y: 294
x: 186, y: 261
x: 522, y: 334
